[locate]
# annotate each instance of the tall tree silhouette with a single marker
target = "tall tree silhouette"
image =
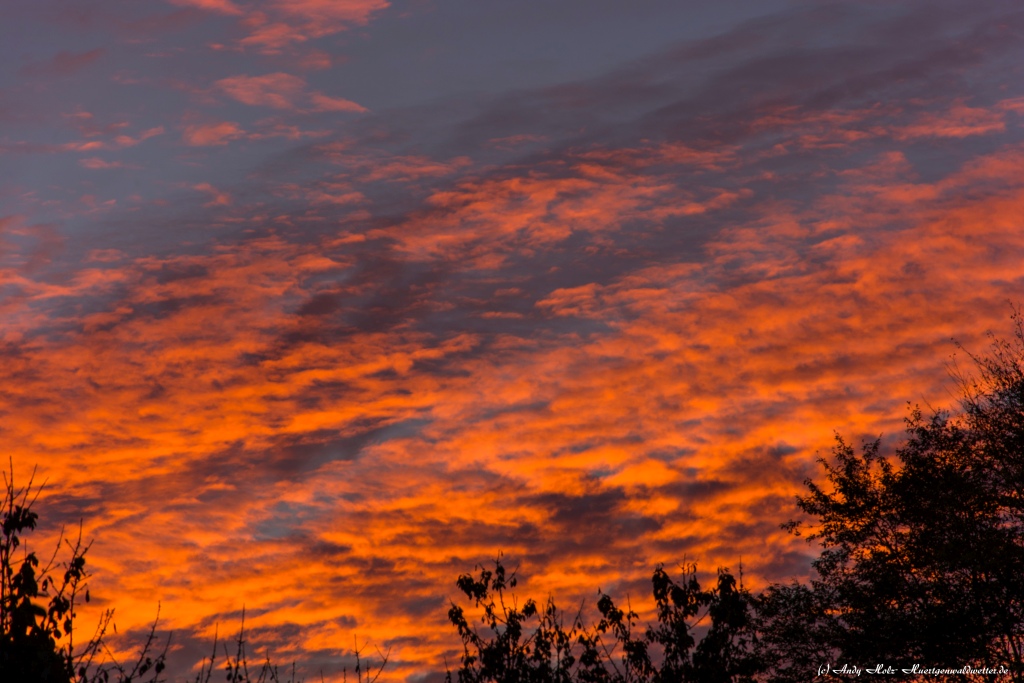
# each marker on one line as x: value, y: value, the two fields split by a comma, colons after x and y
x: 922, y: 552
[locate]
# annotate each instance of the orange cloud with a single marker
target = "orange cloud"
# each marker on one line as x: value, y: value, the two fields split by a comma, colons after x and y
x: 278, y: 90
x: 959, y: 122
x: 609, y: 357
x: 218, y: 197
x: 328, y: 12
x: 219, y: 6
x: 95, y: 163
x: 273, y: 25
x: 202, y: 135
x: 322, y: 102
x: 281, y: 91
x: 318, y: 59
x: 128, y: 141
x: 119, y: 142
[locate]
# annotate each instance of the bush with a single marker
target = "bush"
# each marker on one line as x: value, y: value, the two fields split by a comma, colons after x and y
x: 541, y: 644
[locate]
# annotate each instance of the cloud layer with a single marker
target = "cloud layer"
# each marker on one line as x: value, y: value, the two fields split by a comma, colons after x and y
x: 282, y: 350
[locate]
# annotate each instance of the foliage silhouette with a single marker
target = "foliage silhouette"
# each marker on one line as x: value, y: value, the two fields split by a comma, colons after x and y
x: 38, y: 603
x: 540, y: 644
x: 922, y: 553
x: 795, y: 630
x: 37, y: 618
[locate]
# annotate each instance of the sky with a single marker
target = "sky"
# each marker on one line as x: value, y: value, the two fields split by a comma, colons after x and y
x: 309, y: 306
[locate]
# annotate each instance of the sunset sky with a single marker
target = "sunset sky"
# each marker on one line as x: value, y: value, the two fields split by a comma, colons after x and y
x: 309, y: 306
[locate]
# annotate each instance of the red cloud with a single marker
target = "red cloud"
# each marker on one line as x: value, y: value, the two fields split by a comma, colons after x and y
x: 272, y: 36
x: 322, y: 102
x: 128, y: 141
x: 330, y: 13
x: 278, y: 90
x: 218, y: 197
x: 96, y: 163
x: 219, y: 6
x: 119, y: 142
x: 282, y: 91
x: 207, y: 134
x: 273, y: 25
x: 959, y: 121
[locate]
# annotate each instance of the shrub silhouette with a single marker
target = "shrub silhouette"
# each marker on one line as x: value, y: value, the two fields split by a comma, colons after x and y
x: 540, y: 644
x: 36, y: 610
x: 37, y: 607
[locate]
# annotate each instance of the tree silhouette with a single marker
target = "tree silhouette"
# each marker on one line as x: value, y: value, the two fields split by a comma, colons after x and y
x: 796, y: 632
x: 923, y: 552
x: 528, y: 644
x: 539, y: 644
